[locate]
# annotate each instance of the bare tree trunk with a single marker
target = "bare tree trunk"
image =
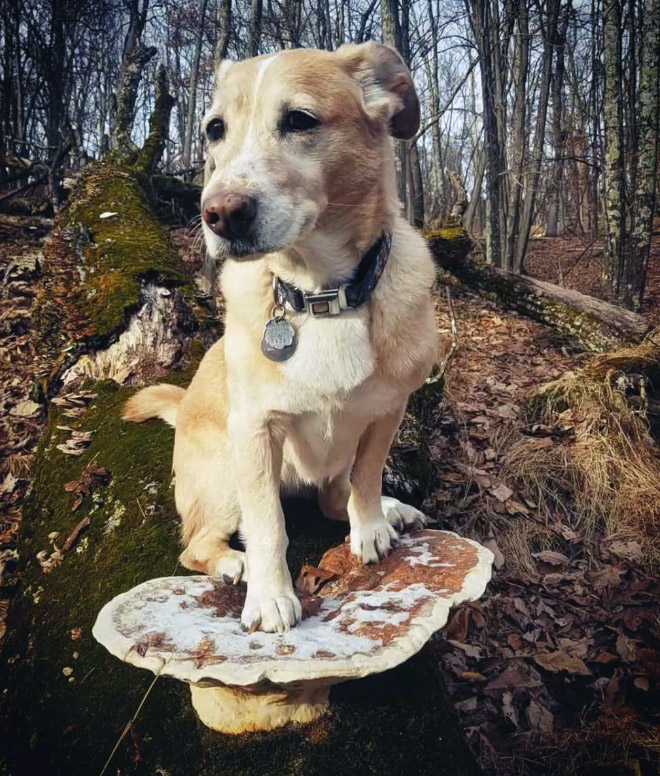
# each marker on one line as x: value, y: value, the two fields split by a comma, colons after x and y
x: 481, y: 21
x: 436, y: 138
x: 475, y: 197
x: 134, y: 60
x: 415, y: 188
x: 614, y: 200
x: 254, y: 35
x: 539, y: 136
x: 558, y: 129
x: 647, y: 163
x: 159, y: 124
x: 518, y: 130
x: 389, y: 11
x: 224, y: 31
x: 192, y: 87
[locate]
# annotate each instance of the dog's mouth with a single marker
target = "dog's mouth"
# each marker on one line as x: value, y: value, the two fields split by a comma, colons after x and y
x: 250, y: 248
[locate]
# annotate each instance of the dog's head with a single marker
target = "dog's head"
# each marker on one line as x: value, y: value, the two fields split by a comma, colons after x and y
x: 294, y: 135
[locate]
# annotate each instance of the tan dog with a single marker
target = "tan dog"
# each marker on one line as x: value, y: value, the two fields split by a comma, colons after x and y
x: 300, y: 185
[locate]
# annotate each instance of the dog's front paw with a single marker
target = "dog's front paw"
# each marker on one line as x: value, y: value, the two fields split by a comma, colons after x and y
x: 276, y: 613
x: 401, y: 516
x: 372, y: 540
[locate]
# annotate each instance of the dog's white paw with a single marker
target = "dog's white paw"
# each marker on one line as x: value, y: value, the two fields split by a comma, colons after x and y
x: 271, y: 613
x: 231, y: 567
x: 372, y: 540
x: 401, y: 516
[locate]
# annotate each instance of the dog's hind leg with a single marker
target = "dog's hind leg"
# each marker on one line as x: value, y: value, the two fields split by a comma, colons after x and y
x: 333, y: 496
x: 333, y: 501
x: 207, y: 502
x: 208, y: 552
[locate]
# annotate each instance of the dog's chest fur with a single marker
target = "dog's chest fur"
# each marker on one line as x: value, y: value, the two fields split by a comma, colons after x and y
x: 331, y: 394
x: 333, y: 357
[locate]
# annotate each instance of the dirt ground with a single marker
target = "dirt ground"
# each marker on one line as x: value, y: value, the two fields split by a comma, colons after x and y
x: 556, y: 670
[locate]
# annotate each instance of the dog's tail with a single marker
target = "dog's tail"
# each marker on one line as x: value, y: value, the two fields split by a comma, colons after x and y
x: 156, y: 401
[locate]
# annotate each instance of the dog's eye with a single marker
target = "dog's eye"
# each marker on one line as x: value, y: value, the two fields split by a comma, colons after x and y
x: 215, y: 130
x: 298, y: 121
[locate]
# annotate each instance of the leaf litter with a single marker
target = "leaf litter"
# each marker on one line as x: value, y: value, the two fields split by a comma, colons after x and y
x: 557, y: 669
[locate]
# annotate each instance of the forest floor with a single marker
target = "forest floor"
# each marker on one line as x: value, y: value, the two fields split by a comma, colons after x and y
x: 556, y: 670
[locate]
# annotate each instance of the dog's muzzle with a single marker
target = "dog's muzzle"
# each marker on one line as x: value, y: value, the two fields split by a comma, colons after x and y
x: 230, y: 214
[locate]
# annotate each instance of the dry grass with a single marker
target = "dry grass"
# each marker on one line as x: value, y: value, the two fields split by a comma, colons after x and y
x: 611, y: 745
x: 588, y: 456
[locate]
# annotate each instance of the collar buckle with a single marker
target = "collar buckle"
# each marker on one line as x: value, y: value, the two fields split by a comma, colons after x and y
x: 331, y: 301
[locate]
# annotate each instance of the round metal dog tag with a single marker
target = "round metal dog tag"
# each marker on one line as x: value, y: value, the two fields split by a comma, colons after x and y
x: 279, y: 340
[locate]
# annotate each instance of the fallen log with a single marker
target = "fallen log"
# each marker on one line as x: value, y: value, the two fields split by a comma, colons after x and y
x: 590, y: 323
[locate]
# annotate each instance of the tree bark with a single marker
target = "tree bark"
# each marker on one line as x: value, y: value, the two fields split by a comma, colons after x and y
x: 133, y: 64
x: 391, y: 26
x: 474, y: 204
x: 254, y: 35
x: 518, y: 130
x: 644, y: 203
x: 482, y: 23
x: 558, y: 129
x: 224, y: 31
x: 159, y: 124
x: 614, y: 199
x: 192, y: 87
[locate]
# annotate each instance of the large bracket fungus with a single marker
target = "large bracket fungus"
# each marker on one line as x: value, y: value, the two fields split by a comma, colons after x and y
x: 357, y: 620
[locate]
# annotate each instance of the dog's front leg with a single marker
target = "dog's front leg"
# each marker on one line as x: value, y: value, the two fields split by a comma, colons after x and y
x: 372, y: 530
x: 257, y: 454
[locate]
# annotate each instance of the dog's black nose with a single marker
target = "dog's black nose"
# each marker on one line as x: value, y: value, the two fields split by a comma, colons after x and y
x: 229, y: 214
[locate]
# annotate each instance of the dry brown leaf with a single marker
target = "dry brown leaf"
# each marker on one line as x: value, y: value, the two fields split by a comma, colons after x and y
x: 561, y: 661
x: 473, y: 676
x: 501, y: 492
x: 604, y: 657
x: 468, y: 705
x: 607, y: 576
x: 508, y: 708
x: 469, y: 649
x: 539, y: 718
x: 458, y: 626
x: 626, y: 648
x: 551, y: 557
x: 498, y: 559
x: 631, y: 550
x: 515, y: 675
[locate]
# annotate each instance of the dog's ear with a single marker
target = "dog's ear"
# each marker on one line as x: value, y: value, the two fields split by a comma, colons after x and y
x: 387, y: 87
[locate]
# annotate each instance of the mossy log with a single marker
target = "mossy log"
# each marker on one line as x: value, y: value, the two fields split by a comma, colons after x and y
x: 108, y: 264
x: 98, y: 523
x: 590, y: 323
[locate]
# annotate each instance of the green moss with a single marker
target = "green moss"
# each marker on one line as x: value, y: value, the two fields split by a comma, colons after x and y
x: 95, y: 268
x: 399, y: 721
x: 121, y: 250
x: 445, y: 233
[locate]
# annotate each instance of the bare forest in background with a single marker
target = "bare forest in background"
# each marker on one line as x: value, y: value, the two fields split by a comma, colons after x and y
x: 534, y: 179
x: 544, y: 111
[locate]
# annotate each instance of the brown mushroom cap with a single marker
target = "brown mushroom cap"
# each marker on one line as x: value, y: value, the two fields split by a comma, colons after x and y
x: 364, y: 619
